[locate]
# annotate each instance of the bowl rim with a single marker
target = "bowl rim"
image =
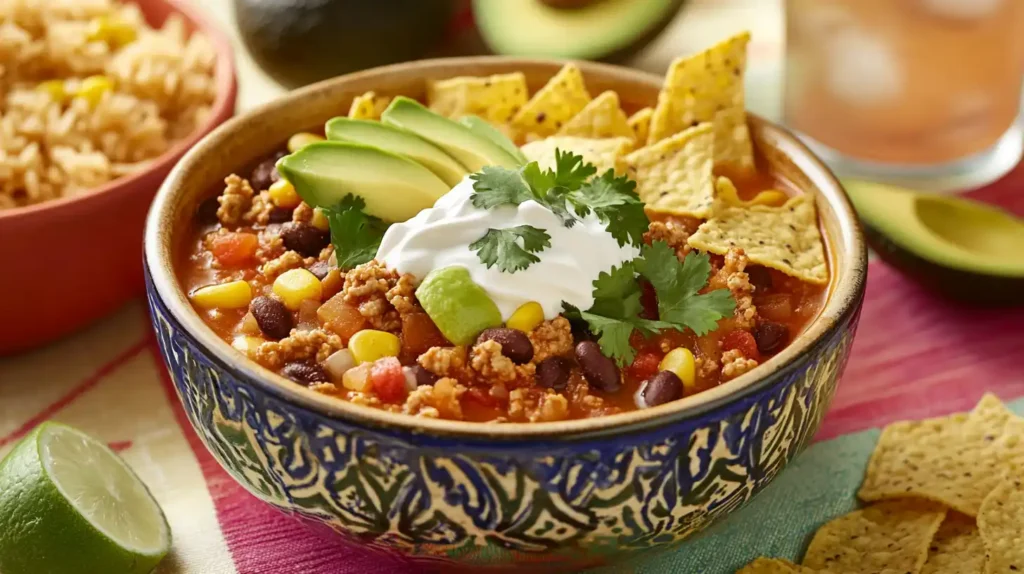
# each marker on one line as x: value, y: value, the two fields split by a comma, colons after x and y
x: 843, y: 300
x: 225, y: 81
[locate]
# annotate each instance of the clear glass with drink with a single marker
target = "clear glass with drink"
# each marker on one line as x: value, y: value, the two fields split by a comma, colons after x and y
x: 920, y: 92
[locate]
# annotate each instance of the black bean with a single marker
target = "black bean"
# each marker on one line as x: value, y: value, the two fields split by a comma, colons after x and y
x: 423, y: 376
x: 206, y: 213
x: 304, y: 238
x: 514, y: 344
x: 280, y: 215
x: 553, y: 373
x: 600, y: 371
x: 770, y: 336
x: 320, y: 269
x: 274, y: 319
x: 662, y: 388
x: 305, y: 373
x: 760, y: 278
x: 265, y: 172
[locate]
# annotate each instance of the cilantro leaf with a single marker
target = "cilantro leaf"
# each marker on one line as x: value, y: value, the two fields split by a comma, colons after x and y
x: 678, y: 284
x: 494, y: 186
x: 355, y: 235
x: 501, y: 247
x: 540, y: 181
x: 615, y: 202
x: 613, y: 337
x: 570, y: 170
x: 617, y: 293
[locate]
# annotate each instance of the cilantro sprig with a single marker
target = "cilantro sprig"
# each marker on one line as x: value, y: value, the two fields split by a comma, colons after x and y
x: 501, y: 247
x: 615, y: 313
x: 355, y: 234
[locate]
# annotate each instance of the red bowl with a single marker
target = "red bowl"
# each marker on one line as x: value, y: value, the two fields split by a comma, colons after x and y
x: 68, y: 262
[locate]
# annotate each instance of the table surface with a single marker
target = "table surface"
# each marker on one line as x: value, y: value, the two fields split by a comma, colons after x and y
x: 110, y: 381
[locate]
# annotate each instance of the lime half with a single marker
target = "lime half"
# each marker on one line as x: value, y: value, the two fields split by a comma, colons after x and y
x: 69, y: 504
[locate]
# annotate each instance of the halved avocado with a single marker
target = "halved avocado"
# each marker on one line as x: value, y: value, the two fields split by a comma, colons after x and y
x: 483, y: 128
x: 400, y: 141
x: 457, y: 140
x: 394, y: 188
x: 579, y: 30
x: 960, y: 248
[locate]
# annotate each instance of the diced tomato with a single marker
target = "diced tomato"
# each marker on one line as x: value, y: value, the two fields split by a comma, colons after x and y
x: 645, y: 365
x: 340, y: 318
x: 234, y: 249
x: 388, y: 380
x: 742, y: 341
x: 649, y: 299
x: 419, y: 333
x: 481, y: 397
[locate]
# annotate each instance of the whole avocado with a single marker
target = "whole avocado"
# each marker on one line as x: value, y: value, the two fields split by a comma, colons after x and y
x: 304, y: 41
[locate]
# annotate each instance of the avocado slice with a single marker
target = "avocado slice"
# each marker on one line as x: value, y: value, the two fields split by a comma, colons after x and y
x: 394, y: 188
x: 457, y: 140
x: 400, y: 141
x: 484, y: 129
x: 460, y: 308
x: 961, y: 248
x: 580, y: 30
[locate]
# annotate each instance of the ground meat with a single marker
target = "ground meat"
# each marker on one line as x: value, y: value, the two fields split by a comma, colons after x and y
x: 259, y: 211
x: 366, y: 288
x: 271, y: 246
x: 537, y: 405
x: 328, y: 389
x: 327, y: 254
x: 442, y: 399
x: 234, y: 201
x: 733, y: 277
x: 298, y: 346
x: 551, y: 339
x: 365, y: 399
x: 706, y: 368
x: 444, y: 361
x: 487, y: 360
x: 303, y: 213
x: 403, y: 295
x: 735, y: 364
x: 674, y: 232
x: 285, y: 262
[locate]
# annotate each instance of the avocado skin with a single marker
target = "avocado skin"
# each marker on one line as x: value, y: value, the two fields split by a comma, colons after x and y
x: 303, y: 41
x: 970, y: 288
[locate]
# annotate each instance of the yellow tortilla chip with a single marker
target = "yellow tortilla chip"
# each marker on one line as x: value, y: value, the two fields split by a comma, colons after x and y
x: 368, y: 106
x: 889, y: 537
x: 495, y: 98
x: 564, y: 96
x: 728, y: 195
x: 674, y: 175
x: 957, y: 548
x: 785, y: 238
x: 956, y: 460
x: 708, y: 87
x: 1001, y: 523
x: 601, y: 118
x: 640, y: 123
x: 603, y: 153
x: 773, y: 566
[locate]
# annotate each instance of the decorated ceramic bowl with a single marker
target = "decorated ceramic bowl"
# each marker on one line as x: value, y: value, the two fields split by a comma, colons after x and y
x: 559, y: 494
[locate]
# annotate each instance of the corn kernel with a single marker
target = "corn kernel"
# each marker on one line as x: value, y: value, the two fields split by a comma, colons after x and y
x: 283, y: 194
x: 232, y: 295
x: 319, y: 220
x: 93, y: 88
x: 301, y: 140
x: 246, y: 345
x: 526, y: 317
x: 113, y: 31
x: 680, y: 361
x: 295, y: 286
x: 55, y: 89
x: 369, y: 345
x: 358, y: 378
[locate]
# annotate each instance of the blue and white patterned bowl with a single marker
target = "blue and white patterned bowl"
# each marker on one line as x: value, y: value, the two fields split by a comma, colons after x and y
x: 558, y: 495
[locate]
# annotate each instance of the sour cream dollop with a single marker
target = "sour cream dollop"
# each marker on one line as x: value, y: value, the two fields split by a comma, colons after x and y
x: 440, y: 237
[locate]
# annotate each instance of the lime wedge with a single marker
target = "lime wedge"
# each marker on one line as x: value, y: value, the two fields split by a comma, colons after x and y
x: 69, y: 504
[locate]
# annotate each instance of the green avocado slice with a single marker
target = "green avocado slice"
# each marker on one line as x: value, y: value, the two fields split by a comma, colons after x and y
x: 470, y: 149
x: 483, y: 128
x: 592, y: 30
x: 397, y: 140
x: 460, y: 308
x: 394, y: 188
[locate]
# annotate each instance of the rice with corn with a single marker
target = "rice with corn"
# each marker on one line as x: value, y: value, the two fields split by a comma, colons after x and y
x: 90, y: 92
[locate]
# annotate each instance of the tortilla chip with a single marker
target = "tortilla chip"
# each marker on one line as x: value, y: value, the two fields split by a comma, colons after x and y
x: 601, y: 118
x: 955, y: 460
x: 773, y: 566
x: 603, y: 153
x: 564, y: 96
x: 368, y: 106
x: 674, y: 175
x: 708, y: 87
x: 494, y: 98
x: 785, y: 238
x: 891, y: 536
x: 640, y: 123
x: 1001, y: 523
x: 957, y: 548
